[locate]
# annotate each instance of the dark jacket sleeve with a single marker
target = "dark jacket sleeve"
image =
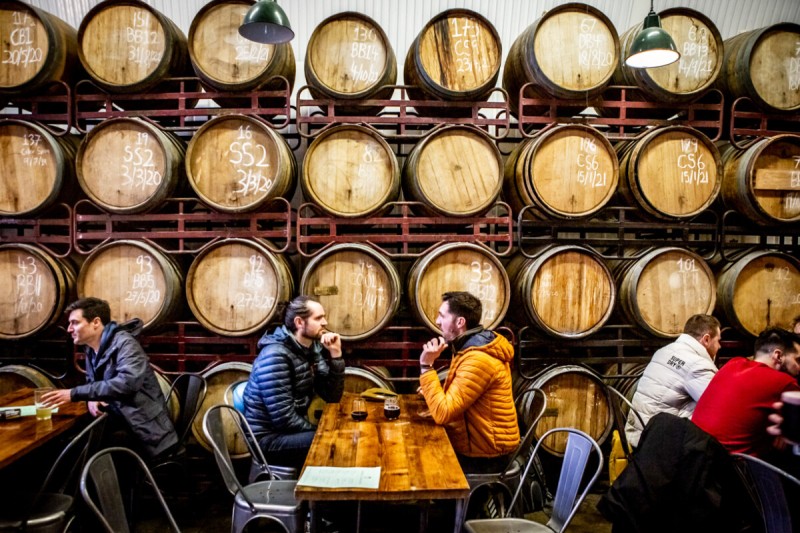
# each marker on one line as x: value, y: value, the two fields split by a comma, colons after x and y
x: 329, y: 379
x: 275, y: 391
x: 125, y: 379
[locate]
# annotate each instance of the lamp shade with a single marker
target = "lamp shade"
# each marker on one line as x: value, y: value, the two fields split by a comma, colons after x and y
x: 652, y: 47
x: 265, y: 22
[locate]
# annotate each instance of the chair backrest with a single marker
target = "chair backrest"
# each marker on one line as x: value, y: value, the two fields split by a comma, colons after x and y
x: 234, y: 395
x: 191, y: 390
x: 576, y: 457
x: 532, y: 418
x: 768, y: 482
x: 99, y: 480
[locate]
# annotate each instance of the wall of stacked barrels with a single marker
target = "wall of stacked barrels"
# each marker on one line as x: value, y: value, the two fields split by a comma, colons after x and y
x: 591, y: 219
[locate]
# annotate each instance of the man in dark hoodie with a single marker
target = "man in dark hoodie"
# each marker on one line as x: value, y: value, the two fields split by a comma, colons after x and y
x: 119, y: 379
x: 295, y: 361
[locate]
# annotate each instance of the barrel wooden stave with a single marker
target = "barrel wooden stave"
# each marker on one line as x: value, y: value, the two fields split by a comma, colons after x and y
x: 128, y: 165
x: 219, y: 378
x: 128, y: 46
x: 758, y: 182
x: 15, y: 377
x: 257, y: 280
x: 37, y: 48
x: 701, y: 47
x: 760, y: 290
x: 548, y: 54
x: 758, y: 64
x: 458, y: 267
x: 236, y: 163
x: 567, y: 291
x: 673, y: 172
x: 663, y: 288
x: 455, y: 171
x: 571, y: 171
x: 358, y: 287
x: 456, y: 56
x: 135, y: 279
x: 36, y: 168
x: 350, y: 171
x: 39, y: 287
x: 225, y: 60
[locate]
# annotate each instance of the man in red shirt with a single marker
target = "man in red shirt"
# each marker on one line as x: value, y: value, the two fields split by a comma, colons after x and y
x: 735, y: 406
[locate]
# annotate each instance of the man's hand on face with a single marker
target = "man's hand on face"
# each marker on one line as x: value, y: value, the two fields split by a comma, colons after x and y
x: 333, y: 343
x: 431, y: 350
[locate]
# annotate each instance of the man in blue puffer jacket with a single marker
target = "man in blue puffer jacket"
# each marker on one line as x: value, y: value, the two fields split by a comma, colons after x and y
x: 295, y: 361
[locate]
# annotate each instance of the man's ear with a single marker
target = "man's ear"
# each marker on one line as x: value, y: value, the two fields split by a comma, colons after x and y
x: 461, y: 322
x: 298, y: 323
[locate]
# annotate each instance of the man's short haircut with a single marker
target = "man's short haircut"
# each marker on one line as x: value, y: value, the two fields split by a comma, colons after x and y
x: 297, y: 307
x: 775, y: 339
x: 92, y: 308
x: 465, y: 305
x: 699, y: 325
x: 795, y: 321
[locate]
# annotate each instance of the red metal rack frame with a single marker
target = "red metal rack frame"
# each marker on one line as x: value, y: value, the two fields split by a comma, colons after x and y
x: 626, y: 113
x: 738, y: 233
x: 182, y: 226
x: 748, y: 123
x: 51, y: 106
x: 402, y: 233
x: 399, y: 120
x: 52, y: 230
x: 173, y: 103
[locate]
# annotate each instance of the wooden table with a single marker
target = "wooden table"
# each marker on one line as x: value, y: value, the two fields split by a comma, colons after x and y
x: 416, y: 459
x: 19, y: 436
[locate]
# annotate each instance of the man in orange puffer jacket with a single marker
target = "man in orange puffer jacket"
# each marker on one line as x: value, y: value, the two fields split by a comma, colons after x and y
x: 476, y: 404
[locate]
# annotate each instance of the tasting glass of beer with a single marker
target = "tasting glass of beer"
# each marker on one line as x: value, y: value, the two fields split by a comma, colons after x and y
x: 42, y: 412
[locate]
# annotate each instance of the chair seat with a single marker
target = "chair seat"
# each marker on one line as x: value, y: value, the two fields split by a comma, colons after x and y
x: 270, y: 496
x: 505, y: 525
x: 512, y: 475
x: 50, y: 509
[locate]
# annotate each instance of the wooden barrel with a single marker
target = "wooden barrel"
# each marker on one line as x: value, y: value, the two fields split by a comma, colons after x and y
x: 36, y: 48
x: 566, y: 290
x: 36, y: 167
x: 454, y: 171
x: 459, y: 267
x: 700, y: 44
x: 129, y: 165
x: 257, y: 280
x: 576, y: 398
x: 456, y: 56
x: 39, y: 288
x: 128, y: 46
x: 762, y: 64
x: 15, y: 377
x: 663, y: 288
x: 219, y: 378
x: 349, y: 57
x: 672, y: 172
x: 358, y: 287
x: 136, y: 280
x: 625, y: 378
x: 760, y: 290
x: 570, y: 52
x: 350, y: 171
x: 570, y: 171
x: 762, y: 181
x: 225, y: 60
x: 236, y: 163
x: 173, y: 402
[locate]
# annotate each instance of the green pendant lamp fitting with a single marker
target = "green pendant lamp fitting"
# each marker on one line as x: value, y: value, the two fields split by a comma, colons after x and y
x: 652, y: 47
x: 265, y: 22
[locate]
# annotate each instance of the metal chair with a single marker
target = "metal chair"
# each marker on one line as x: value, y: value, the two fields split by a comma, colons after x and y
x: 99, y: 481
x: 499, y: 486
x: 769, y: 491
x: 52, y: 508
x: 234, y: 394
x: 274, y: 498
x: 576, y: 456
x: 620, y: 454
x: 192, y: 389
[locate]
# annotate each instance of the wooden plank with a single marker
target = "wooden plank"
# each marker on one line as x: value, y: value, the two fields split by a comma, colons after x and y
x: 771, y: 179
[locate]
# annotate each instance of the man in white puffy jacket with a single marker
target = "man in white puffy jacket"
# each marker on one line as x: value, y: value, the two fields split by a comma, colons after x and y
x: 677, y: 374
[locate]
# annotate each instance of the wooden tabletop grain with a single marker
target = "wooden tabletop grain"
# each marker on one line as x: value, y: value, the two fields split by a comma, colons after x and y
x: 22, y: 435
x: 414, y: 453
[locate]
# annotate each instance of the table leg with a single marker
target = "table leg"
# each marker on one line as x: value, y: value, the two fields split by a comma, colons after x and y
x: 312, y: 517
x: 461, y: 509
x: 358, y: 516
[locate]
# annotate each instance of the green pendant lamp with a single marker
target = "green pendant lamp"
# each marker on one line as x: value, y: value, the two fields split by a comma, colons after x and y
x: 652, y: 47
x: 265, y: 22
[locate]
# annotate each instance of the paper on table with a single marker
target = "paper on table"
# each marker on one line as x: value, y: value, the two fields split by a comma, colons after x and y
x: 332, y: 477
x: 25, y: 410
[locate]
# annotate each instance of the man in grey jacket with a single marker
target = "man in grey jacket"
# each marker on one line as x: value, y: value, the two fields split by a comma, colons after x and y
x: 677, y: 375
x: 119, y: 379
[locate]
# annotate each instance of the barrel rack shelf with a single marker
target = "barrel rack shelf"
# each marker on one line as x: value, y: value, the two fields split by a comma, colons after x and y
x: 739, y: 235
x: 53, y: 107
x: 748, y: 124
x: 51, y: 230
